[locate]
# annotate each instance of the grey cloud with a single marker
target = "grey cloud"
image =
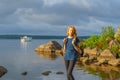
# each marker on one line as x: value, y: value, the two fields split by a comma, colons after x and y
x: 101, y: 10
x: 26, y: 16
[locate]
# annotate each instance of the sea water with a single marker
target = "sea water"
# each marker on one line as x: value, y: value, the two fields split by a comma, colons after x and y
x: 19, y: 57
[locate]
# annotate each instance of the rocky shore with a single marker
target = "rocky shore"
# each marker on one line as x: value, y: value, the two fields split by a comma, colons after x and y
x: 90, y: 56
x: 95, y: 56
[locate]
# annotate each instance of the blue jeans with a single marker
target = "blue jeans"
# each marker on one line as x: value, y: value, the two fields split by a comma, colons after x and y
x: 69, y: 68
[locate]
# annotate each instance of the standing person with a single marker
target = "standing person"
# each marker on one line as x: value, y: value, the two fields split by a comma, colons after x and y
x: 70, y: 49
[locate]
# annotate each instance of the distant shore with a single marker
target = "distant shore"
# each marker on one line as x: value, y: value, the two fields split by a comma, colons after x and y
x: 37, y: 36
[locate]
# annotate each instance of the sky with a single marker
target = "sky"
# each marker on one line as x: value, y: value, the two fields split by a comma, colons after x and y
x: 52, y: 17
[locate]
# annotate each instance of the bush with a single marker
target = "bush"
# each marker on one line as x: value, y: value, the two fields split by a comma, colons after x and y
x: 100, y: 41
x: 92, y: 41
x: 107, y: 32
x: 116, y: 49
x: 118, y: 39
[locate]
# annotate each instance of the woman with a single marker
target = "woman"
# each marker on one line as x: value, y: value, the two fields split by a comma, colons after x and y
x: 70, y: 49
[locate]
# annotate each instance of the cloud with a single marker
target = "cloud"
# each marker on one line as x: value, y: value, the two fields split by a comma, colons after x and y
x: 50, y: 17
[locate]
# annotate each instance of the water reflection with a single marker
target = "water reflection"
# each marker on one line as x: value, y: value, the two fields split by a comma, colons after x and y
x: 25, y: 46
x: 105, y: 72
x: 48, y: 55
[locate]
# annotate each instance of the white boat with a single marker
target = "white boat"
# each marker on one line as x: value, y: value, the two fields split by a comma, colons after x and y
x: 26, y: 39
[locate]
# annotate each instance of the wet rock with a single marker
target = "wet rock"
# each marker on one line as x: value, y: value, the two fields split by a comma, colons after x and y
x: 97, y: 63
x: 59, y: 72
x: 115, y: 62
x: 3, y: 71
x: 46, y: 73
x: 24, y: 73
x: 85, y: 60
x: 92, y: 59
x: 51, y: 46
x: 102, y: 61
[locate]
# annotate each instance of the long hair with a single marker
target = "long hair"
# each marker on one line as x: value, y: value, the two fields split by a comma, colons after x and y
x: 75, y: 32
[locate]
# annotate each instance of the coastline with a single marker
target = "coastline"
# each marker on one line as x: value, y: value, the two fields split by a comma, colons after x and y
x: 37, y: 36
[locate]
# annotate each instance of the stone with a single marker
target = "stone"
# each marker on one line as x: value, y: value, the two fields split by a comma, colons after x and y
x: 102, y: 61
x: 24, y: 73
x: 92, y: 52
x: 117, y: 35
x: 85, y: 60
x: 46, y: 73
x: 3, y: 71
x: 115, y: 62
x: 59, y: 72
x: 93, y: 59
x: 51, y: 46
x: 107, y: 55
x: 113, y: 43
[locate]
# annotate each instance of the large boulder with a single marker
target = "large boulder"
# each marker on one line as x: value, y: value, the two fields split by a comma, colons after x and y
x: 115, y: 62
x: 2, y: 71
x: 107, y: 55
x: 92, y: 52
x: 51, y: 46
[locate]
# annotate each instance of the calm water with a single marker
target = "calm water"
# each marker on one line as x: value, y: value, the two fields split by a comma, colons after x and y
x: 19, y: 57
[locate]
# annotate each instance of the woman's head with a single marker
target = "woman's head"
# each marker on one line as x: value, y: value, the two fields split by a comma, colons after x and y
x: 71, y: 31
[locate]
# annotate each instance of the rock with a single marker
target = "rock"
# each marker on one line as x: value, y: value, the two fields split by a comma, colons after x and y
x: 2, y: 71
x: 51, y: 46
x: 97, y: 63
x: 87, y: 50
x: 117, y: 34
x: 108, y: 39
x: 113, y: 43
x: 24, y: 73
x: 85, y: 60
x: 93, y: 59
x: 115, y: 62
x: 59, y: 72
x: 92, y: 52
x: 46, y: 73
x: 107, y: 55
x: 102, y: 61
x: 118, y: 29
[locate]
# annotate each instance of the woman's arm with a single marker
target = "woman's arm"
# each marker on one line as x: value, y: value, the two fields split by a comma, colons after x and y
x: 64, y: 48
x: 64, y: 45
x: 76, y: 46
